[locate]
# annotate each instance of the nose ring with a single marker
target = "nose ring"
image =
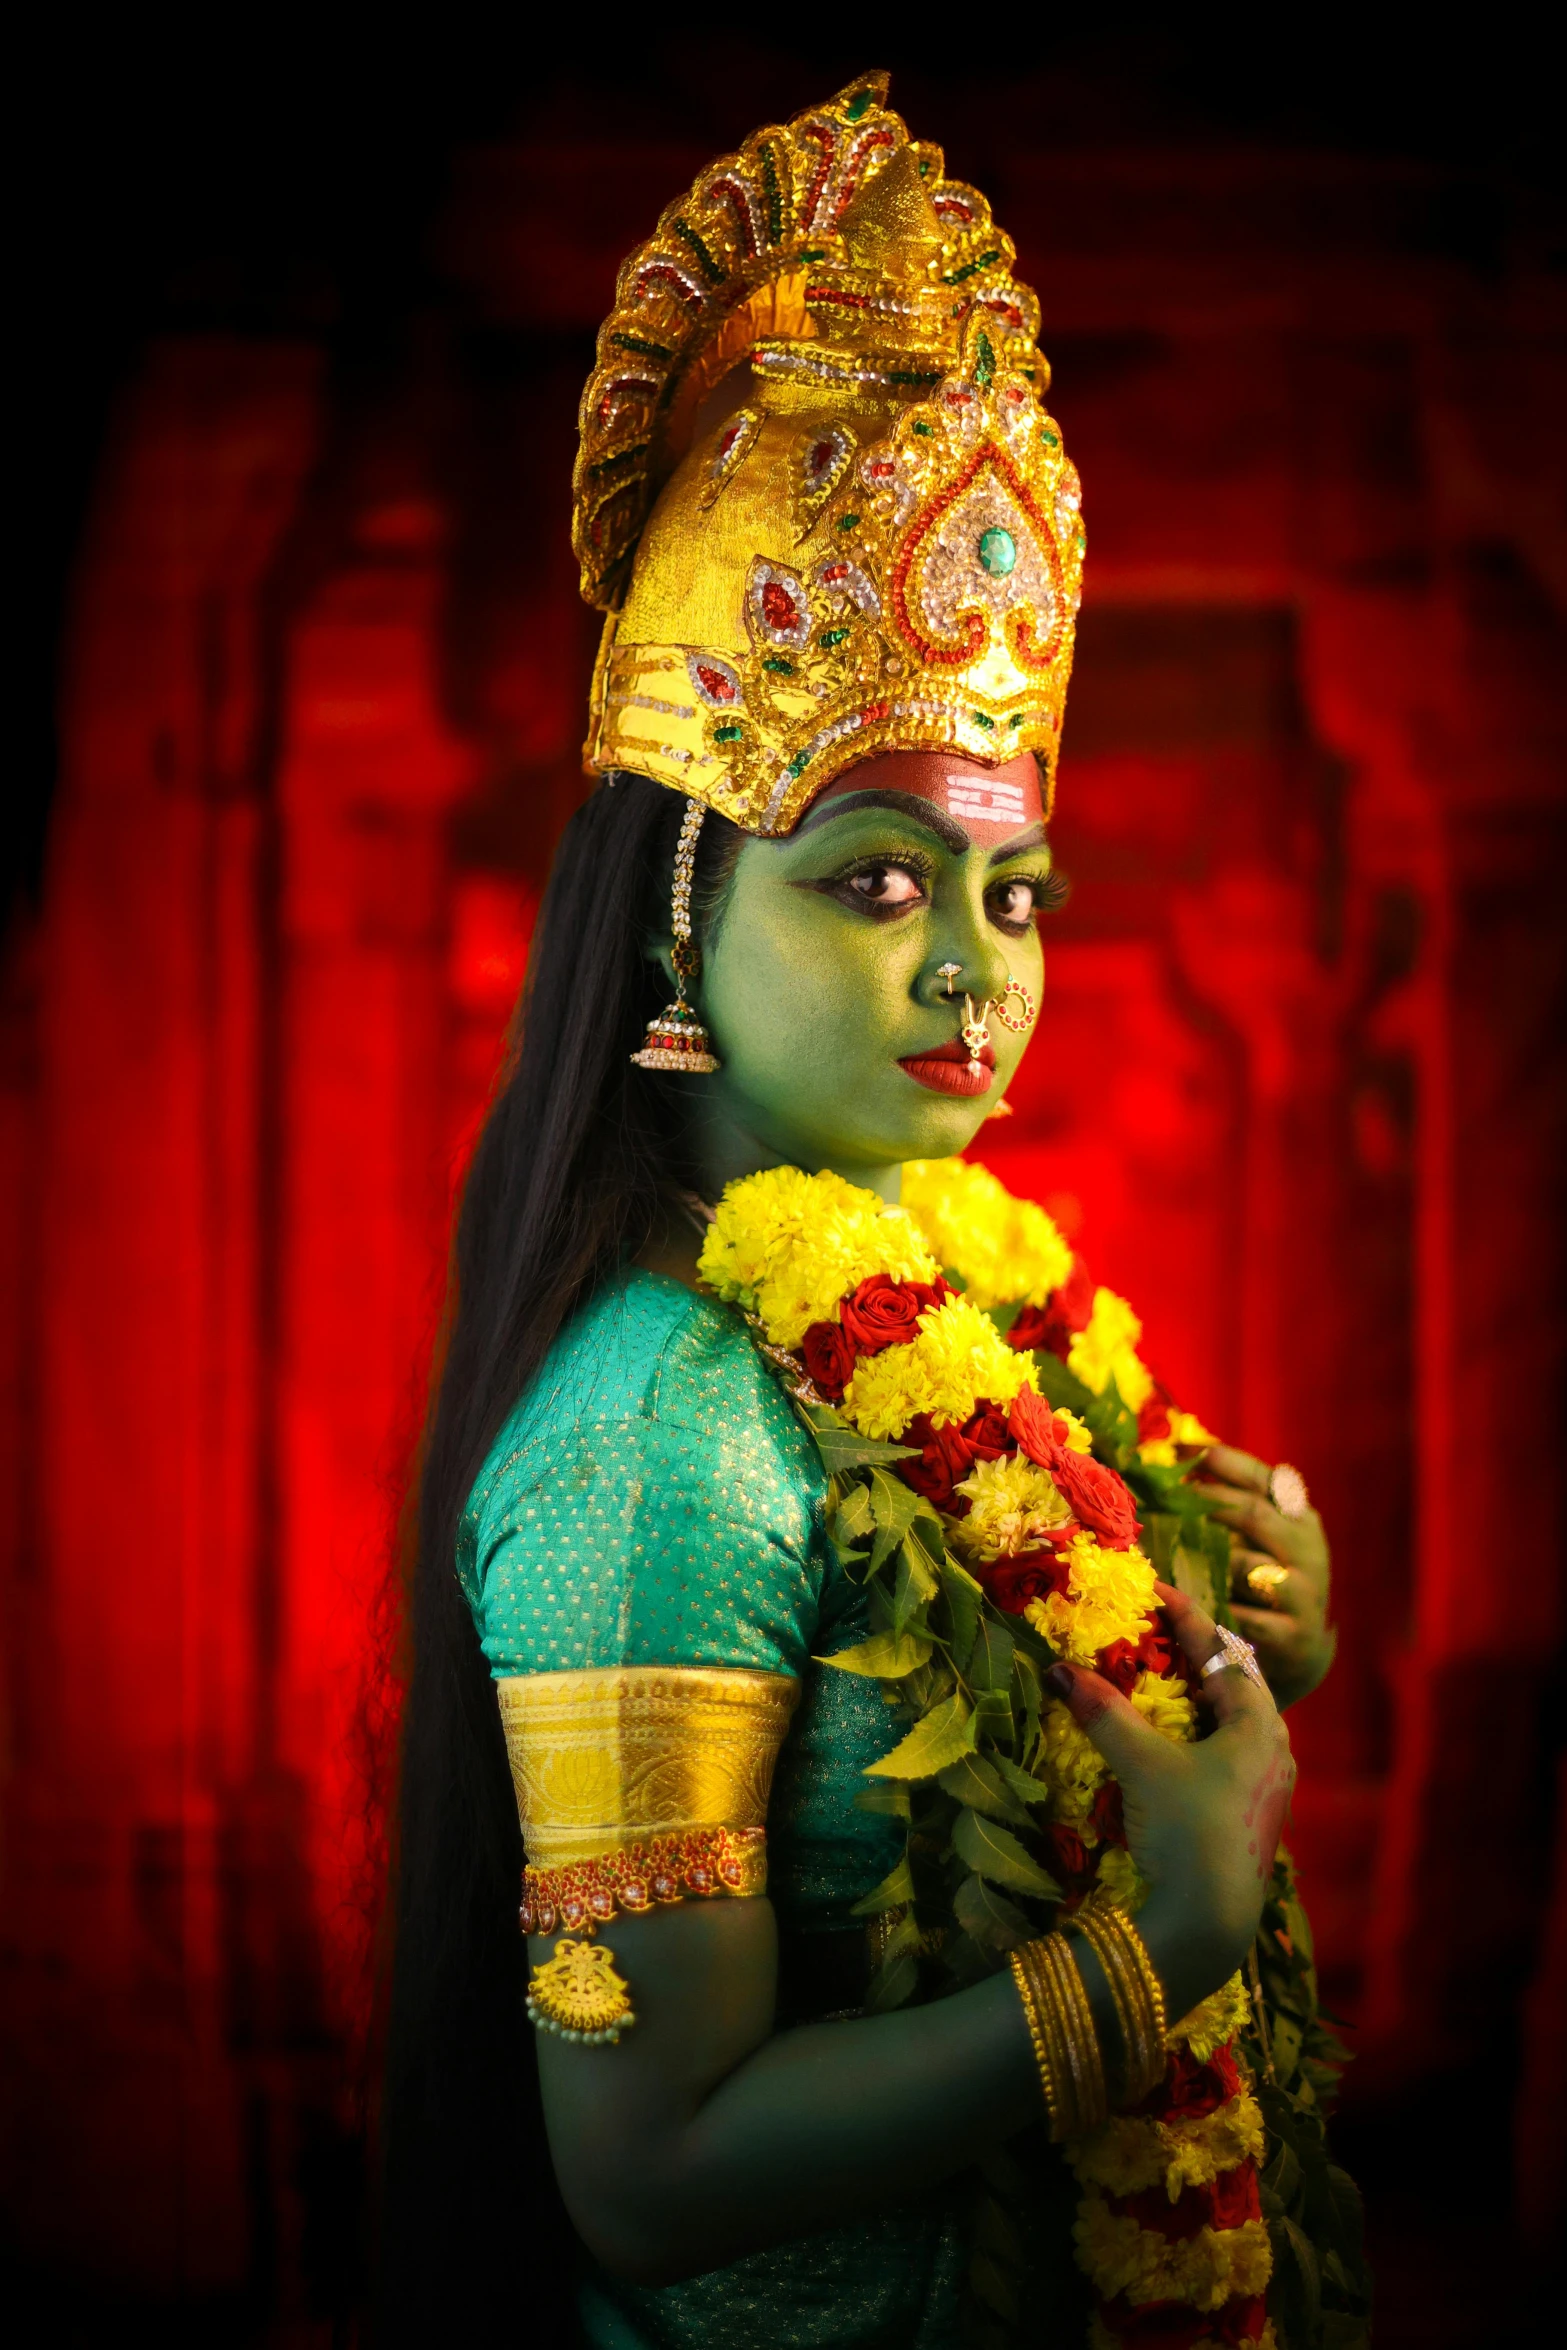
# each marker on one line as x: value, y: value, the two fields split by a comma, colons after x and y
x: 949, y: 972
x: 1015, y: 1007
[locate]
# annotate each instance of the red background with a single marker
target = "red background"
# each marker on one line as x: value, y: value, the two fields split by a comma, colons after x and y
x: 1297, y: 1085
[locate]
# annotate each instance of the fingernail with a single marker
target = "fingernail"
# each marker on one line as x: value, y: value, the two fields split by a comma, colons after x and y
x: 1059, y: 1678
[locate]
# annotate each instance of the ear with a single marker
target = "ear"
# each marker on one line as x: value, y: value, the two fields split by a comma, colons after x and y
x: 658, y: 946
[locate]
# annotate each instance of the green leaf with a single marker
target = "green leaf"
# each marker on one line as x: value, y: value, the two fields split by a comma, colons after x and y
x: 965, y: 1603
x: 895, y: 1889
x: 852, y: 1517
x: 890, y: 1798
x: 939, y: 1739
x: 988, y: 1916
x: 994, y: 1852
x: 918, y: 1579
x: 893, y: 1984
x: 976, y: 1781
x: 894, y: 1506
x: 1022, y: 1786
x: 1063, y: 1389
x: 993, y: 1710
x: 1033, y: 1694
x: 990, y: 1665
x: 886, y: 1656
x: 843, y: 1447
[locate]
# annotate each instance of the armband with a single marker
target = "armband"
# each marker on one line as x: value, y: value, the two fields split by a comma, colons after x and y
x: 635, y: 1786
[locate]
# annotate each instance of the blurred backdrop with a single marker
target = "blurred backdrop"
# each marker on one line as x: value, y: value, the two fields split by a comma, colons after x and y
x: 306, y: 316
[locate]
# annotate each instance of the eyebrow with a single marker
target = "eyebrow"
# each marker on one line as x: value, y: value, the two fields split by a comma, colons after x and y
x: 902, y: 803
x: 1034, y: 838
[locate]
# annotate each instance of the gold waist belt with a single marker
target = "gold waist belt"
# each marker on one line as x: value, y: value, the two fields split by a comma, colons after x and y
x: 602, y: 1761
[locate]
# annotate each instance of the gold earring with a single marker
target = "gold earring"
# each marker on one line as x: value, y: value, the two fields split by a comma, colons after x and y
x: 676, y: 1042
x: 1015, y: 992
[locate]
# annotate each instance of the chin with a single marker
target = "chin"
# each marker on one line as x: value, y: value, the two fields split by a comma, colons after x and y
x: 935, y: 1127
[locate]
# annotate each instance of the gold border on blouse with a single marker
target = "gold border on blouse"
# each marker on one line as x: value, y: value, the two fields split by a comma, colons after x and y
x: 600, y: 1760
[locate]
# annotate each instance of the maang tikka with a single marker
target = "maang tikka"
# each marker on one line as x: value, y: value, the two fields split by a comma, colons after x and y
x: 676, y: 1041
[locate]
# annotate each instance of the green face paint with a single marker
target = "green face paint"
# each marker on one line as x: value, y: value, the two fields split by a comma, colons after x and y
x: 822, y: 977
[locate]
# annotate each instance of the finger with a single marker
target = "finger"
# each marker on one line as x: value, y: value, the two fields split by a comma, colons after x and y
x: 1253, y: 1515
x: 1228, y: 1465
x: 1232, y: 1694
x: 1118, y: 1731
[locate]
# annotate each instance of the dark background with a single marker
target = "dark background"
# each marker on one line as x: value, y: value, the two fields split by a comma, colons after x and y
x: 304, y: 308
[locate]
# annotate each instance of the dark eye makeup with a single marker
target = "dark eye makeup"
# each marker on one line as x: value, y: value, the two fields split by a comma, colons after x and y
x: 886, y: 887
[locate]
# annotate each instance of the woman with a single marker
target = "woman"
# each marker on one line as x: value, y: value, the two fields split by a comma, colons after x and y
x: 841, y: 543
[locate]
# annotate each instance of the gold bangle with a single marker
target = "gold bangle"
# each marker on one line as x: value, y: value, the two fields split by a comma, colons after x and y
x: 1061, y: 2029
x: 1136, y: 1990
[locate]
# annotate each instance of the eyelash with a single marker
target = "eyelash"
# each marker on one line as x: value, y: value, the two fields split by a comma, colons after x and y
x: 1050, y: 889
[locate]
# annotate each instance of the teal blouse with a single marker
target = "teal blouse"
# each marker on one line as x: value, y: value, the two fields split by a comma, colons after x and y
x: 652, y: 1500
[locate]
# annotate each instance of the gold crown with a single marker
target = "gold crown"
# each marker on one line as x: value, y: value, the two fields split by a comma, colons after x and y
x: 870, y: 540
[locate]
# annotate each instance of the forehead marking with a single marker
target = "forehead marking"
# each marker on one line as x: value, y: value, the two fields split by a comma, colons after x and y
x: 987, y: 801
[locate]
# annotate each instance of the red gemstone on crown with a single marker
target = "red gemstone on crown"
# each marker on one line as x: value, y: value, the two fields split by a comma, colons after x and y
x: 822, y: 455
x: 714, y: 681
x: 833, y: 573
x: 779, y: 608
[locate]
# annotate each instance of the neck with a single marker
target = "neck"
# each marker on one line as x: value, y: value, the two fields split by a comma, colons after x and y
x: 729, y: 1145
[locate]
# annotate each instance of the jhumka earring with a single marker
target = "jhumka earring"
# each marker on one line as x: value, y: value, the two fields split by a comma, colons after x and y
x: 676, y: 1041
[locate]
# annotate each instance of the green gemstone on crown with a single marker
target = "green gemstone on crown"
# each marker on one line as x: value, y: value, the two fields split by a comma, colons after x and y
x: 997, y: 551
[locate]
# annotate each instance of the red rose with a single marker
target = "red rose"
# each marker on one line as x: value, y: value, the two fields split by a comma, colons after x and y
x: 1118, y: 1665
x: 883, y: 1312
x: 1013, y: 1582
x: 1034, y: 1430
x: 986, y: 1433
x: 1050, y: 1328
x: 828, y: 1353
x: 1189, y: 2089
x: 945, y: 1460
x: 1067, y: 1857
x: 1098, y: 1498
x: 1106, y: 1816
x: 1233, y: 2198
x: 1156, y: 1650
x: 1153, y: 1421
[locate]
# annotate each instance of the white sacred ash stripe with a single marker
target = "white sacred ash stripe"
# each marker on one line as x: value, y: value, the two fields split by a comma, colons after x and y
x: 1001, y: 802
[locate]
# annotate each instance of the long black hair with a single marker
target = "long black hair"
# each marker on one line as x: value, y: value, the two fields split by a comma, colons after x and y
x: 566, y: 1179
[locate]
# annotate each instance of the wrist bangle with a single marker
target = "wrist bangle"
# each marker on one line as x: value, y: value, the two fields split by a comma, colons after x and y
x: 1061, y: 2030
x: 1134, y: 1987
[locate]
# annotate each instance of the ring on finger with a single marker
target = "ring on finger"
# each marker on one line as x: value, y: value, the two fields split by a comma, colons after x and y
x: 1263, y: 1583
x: 1237, y: 1653
x: 1287, y: 1491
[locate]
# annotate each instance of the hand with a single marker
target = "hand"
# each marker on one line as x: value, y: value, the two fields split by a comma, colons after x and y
x: 1289, y: 1630
x: 1202, y: 1821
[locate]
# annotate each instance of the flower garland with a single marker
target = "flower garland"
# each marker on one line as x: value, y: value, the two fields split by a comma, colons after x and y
x: 1007, y: 1480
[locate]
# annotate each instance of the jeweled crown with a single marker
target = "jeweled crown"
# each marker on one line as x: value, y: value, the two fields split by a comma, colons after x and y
x: 817, y: 490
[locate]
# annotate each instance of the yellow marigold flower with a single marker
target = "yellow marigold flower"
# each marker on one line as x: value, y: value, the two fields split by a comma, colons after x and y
x: 1110, y: 1596
x: 1077, y: 1438
x: 1012, y: 1504
x: 1122, y: 1879
x: 1107, y: 1350
x: 1222, y: 2016
x: 790, y: 1247
x: 1068, y: 1763
x: 1165, y: 1704
x: 1005, y: 1251
x: 1121, y: 2256
x: 1130, y: 2154
x: 1185, y: 1429
x: 958, y: 1358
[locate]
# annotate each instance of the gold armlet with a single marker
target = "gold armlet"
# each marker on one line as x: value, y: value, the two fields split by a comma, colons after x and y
x: 1061, y: 2029
x: 635, y: 1788
x: 1135, y: 1988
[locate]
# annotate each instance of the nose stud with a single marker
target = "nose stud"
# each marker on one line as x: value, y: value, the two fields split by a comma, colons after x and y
x: 949, y: 972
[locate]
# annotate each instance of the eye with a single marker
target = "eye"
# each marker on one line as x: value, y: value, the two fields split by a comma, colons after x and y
x: 888, y: 888
x: 1012, y: 903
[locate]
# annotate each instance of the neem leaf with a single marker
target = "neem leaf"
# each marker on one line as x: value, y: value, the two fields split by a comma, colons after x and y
x: 896, y: 1888
x: 965, y: 1602
x: 890, y: 1799
x: 893, y: 1506
x: 974, y: 1780
x: 939, y: 1739
x: 988, y: 1916
x: 853, y: 1518
x: 994, y: 1852
x: 843, y: 1447
x: 886, y: 1656
x: 1025, y: 1788
x: 990, y: 1665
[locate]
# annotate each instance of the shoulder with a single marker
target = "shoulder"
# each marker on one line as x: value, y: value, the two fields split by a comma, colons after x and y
x: 653, y: 1472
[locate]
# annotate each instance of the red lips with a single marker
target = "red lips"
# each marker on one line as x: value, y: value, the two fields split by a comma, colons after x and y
x: 947, y: 1068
